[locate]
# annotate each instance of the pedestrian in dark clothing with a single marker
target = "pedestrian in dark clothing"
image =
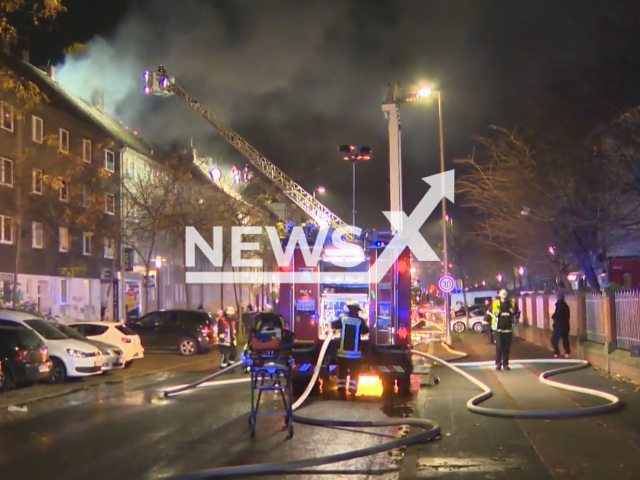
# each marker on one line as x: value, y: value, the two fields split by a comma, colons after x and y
x: 561, y: 326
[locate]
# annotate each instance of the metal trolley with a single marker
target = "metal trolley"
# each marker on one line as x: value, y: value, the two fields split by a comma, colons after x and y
x: 270, y: 371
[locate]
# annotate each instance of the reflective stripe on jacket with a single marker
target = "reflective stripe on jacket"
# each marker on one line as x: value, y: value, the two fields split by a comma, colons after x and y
x: 350, y: 331
x: 496, y: 313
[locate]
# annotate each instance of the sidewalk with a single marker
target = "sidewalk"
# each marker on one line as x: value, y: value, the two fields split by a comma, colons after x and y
x: 477, y: 447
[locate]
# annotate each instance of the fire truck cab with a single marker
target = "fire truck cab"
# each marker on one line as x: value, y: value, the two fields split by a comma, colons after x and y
x: 319, y: 295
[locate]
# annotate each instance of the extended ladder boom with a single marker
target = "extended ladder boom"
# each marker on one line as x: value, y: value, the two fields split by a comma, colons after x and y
x: 160, y: 83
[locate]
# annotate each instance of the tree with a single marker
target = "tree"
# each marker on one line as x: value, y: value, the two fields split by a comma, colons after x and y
x: 247, y: 212
x: 33, y: 12
x: 149, y: 195
x: 527, y: 199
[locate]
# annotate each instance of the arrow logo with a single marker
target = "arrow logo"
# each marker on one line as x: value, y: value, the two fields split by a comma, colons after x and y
x: 408, y: 227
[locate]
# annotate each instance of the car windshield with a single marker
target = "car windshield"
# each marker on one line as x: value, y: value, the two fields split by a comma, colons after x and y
x: 70, y: 332
x: 48, y: 331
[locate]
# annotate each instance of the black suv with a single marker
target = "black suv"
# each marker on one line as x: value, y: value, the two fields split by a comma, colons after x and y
x: 24, y: 357
x: 189, y: 331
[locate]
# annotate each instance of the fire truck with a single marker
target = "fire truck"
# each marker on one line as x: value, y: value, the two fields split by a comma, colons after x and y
x: 311, y: 305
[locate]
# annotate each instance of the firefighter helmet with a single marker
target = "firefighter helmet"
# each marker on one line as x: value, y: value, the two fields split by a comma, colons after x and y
x: 504, y: 294
x: 230, y: 311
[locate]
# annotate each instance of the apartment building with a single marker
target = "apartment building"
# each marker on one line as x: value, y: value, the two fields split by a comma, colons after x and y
x: 59, y: 196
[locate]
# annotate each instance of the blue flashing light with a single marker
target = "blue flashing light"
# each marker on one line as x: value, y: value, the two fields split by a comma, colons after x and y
x: 146, y: 90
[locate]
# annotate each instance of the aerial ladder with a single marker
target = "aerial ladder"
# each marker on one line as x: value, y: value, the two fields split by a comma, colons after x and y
x: 160, y: 83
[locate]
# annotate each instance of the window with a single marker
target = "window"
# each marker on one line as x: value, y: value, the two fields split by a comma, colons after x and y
x: 109, y: 248
x: 63, y: 140
x: 64, y: 190
x: 6, y: 172
x: 86, y: 150
x: 63, y: 235
x: 86, y: 195
x: 110, y: 203
x: 64, y: 291
x: 36, y: 181
x: 6, y: 230
x: 37, y: 129
x: 86, y: 243
x: 37, y: 235
x: 109, y: 161
x: 6, y: 111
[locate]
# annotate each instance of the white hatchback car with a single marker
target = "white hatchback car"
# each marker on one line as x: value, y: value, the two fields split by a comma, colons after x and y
x: 116, y: 334
x: 70, y: 357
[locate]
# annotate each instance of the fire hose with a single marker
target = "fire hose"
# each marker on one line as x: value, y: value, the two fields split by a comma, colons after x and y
x: 430, y: 429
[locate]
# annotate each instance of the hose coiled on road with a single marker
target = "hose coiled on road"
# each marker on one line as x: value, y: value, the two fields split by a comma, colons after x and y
x: 431, y: 430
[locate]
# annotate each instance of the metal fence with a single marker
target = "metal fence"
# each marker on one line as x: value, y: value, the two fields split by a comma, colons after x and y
x: 627, y: 318
x: 595, y: 317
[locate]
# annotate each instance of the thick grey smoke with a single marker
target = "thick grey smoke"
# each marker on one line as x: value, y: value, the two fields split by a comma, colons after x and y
x: 295, y: 78
x: 263, y: 60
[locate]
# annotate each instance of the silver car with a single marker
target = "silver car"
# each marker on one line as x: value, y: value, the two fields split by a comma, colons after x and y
x: 112, y: 357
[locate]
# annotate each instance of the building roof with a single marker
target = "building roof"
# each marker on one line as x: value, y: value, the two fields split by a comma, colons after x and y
x: 60, y: 97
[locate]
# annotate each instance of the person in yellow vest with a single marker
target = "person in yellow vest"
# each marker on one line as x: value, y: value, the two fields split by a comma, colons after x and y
x: 352, y: 326
x: 504, y: 316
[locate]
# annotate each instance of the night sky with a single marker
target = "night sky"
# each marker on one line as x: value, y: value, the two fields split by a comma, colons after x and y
x: 298, y: 78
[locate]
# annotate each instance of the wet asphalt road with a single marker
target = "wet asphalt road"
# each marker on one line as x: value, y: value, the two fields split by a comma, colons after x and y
x: 124, y: 432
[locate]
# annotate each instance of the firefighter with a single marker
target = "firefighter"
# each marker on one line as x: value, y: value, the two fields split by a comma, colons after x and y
x: 351, y: 327
x: 227, y: 336
x: 504, y: 314
x: 487, y: 318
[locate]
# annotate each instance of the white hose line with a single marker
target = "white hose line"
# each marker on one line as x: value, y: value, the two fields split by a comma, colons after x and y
x: 473, y: 405
x: 431, y: 429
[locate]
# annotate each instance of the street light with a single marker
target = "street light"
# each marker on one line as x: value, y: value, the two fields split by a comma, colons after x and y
x: 425, y: 92
x: 319, y: 190
x: 522, y: 271
x: 354, y: 153
x: 499, y: 278
x: 157, y: 262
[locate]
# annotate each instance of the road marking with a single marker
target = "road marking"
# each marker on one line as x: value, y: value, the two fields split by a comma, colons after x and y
x: 429, y: 467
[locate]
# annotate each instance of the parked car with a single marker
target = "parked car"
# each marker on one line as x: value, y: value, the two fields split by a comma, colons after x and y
x: 112, y: 357
x: 24, y: 358
x: 70, y: 357
x: 475, y: 321
x: 190, y: 331
x: 116, y: 334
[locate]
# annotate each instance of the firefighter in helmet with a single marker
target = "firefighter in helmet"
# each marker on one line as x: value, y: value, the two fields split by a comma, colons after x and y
x: 227, y: 336
x: 352, y: 326
x: 504, y: 315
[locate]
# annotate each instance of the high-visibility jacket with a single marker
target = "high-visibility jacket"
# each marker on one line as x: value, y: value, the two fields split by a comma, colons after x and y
x: 351, y: 329
x: 504, y: 315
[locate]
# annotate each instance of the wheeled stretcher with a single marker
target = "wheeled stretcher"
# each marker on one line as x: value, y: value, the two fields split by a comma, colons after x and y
x: 270, y: 364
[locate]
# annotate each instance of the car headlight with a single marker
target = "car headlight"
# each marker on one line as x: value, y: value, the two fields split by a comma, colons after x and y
x: 76, y: 353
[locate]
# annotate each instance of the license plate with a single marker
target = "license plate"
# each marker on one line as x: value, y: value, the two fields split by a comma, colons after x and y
x: 98, y: 363
x: 43, y: 368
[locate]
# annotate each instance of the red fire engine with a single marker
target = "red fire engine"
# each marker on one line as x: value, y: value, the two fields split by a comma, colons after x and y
x: 309, y: 308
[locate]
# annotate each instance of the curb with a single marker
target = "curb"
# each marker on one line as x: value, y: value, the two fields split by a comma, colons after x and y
x: 107, y: 381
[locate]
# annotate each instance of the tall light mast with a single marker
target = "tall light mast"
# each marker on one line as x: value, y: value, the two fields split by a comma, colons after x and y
x: 391, y: 110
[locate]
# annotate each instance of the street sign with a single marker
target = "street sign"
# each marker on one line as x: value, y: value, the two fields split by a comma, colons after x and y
x: 446, y: 283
